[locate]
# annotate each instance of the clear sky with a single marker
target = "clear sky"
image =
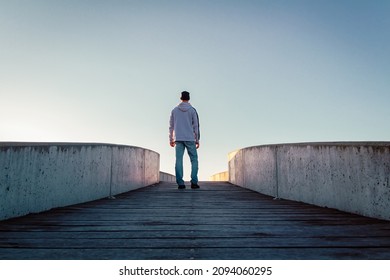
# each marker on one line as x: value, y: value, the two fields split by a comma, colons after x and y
x: 259, y: 72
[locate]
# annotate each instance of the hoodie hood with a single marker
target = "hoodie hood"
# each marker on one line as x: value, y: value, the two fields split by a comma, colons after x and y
x: 184, y: 106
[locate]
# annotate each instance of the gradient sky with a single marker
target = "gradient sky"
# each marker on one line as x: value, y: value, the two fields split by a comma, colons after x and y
x: 259, y: 72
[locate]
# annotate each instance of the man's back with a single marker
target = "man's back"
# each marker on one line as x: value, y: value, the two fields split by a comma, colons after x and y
x: 184, y: 123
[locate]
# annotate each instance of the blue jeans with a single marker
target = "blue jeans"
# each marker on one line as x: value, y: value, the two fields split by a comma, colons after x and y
x: 191, y: 150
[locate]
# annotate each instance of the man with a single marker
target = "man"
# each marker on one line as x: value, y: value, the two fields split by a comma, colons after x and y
x: 184, y: 134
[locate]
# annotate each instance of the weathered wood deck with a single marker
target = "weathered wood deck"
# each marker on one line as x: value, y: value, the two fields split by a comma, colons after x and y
x: 218, y: 221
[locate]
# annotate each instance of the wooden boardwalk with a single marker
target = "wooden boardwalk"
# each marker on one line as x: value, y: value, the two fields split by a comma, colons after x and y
x: 218, y: 221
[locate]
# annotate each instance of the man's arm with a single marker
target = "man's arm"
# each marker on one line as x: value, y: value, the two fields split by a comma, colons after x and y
x: 171, y: 130
x: 195, y: 125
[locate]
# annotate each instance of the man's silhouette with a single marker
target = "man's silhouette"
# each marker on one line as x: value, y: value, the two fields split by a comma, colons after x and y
x: 184, y: 134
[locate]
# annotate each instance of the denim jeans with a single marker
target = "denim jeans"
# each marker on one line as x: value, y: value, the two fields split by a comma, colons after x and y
x: 191, y: 150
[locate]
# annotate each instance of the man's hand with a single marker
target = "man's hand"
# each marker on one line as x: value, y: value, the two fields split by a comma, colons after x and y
x: 197, y: 145
x: 172, y: 144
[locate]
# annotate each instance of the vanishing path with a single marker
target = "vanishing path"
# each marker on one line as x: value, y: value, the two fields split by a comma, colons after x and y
x: 218, y: 221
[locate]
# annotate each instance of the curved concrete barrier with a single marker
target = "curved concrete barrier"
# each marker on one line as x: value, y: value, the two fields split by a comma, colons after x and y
x: 167, y: 177
x: 352, y: 177
x: 35, y: 177
x: 220, y: 177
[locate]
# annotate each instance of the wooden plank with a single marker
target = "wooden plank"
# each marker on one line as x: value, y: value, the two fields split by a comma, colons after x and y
x: 200, y: 254
x: 198, y: 242
x: 219, y: 221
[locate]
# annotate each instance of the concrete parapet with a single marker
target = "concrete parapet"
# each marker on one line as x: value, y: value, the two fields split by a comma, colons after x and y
x: 35, y: 177
x: 349, y: 176
x: 220, y: 177
x: 166, y: 177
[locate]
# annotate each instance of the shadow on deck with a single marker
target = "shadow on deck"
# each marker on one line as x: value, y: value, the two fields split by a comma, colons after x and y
x: 218, y: 221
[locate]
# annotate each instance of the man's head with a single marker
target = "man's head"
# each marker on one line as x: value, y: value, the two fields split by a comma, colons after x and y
x: 185, y: 96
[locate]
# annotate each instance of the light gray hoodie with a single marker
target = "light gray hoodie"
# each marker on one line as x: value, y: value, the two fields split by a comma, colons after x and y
x: 184, y: 123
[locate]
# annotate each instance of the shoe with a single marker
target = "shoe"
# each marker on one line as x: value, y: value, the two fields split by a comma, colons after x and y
x: 194, y: 186
x: 180, y: 187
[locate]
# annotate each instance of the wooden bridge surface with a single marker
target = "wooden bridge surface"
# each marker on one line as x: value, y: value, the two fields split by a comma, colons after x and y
x: 218, y: 221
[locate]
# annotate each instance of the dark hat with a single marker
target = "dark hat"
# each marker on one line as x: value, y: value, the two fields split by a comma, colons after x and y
x: 185, y: 95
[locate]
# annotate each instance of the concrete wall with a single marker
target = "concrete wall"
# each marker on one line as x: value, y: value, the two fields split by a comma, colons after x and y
x: 220, y: 177
x: 352, y: 177
x: 36, y: 177
x: 166, y: 177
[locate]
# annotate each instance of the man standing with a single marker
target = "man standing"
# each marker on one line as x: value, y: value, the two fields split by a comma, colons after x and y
x: 184, y: 134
